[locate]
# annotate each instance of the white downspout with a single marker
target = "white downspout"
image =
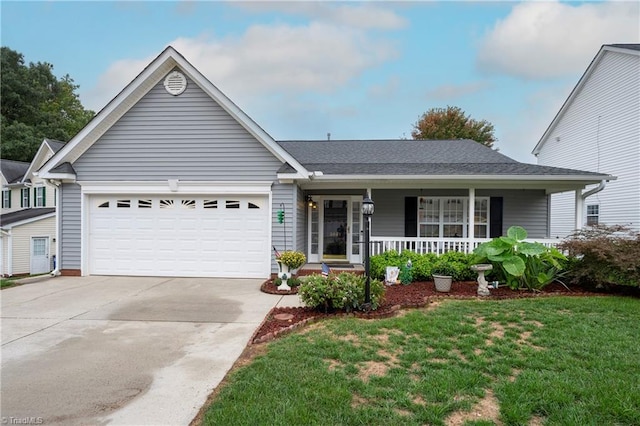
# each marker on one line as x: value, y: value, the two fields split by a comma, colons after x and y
x: 580, y: 199
x: 10, y: 253
x: 57, y: 184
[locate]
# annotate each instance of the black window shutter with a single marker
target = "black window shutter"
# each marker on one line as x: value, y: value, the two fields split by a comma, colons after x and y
x: 495, y: 224
x: 411, y: 216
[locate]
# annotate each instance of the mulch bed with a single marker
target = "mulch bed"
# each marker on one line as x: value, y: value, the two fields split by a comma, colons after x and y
x: 415, y: 295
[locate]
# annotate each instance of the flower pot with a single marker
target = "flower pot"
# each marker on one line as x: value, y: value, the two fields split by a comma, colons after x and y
x: 443, y: 283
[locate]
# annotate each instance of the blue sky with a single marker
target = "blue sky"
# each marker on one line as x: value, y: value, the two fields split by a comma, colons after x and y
x: 356, y: 70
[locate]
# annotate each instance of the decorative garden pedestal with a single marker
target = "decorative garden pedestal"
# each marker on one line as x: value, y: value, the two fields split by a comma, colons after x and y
x: 483, y: 289
x: 284, y: 275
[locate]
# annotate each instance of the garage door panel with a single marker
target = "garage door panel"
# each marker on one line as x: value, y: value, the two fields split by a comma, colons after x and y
x: 179, y: 236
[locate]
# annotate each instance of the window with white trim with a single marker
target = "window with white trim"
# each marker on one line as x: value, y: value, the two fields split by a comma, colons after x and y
x: 39, y: 196
x: 593, y: 214
x: 25, y: 198
x: 6, y: 199
x: 447, y: 217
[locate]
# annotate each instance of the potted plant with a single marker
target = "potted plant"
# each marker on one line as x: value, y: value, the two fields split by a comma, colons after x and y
x: 287, y: 262
x: 443, y: 274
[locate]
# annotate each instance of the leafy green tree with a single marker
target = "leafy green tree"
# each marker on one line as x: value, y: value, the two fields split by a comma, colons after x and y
x: 452, y: 123
x: 35, y: 104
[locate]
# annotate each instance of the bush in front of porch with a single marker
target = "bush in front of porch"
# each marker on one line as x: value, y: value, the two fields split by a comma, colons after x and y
x: 423, y: 264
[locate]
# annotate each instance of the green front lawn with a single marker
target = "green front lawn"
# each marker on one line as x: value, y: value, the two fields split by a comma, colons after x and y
x: 7, y: 282
x: 560, y: 361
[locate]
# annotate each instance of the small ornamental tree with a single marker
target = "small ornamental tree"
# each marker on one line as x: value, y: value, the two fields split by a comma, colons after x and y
x: 602, y: 255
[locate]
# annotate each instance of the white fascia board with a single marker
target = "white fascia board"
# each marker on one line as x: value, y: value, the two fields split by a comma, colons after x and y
x: 63, y: 177
x: 288, y: 177
x: 588, y: 179
x: 181, y: 187
x: 36, y: 159
x: 30, y: 220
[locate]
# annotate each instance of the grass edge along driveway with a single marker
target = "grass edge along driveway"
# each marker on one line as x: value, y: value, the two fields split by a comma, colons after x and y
x: 556, y: 360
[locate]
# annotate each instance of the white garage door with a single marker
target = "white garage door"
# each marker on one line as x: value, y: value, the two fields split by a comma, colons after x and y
x: 188, y: 236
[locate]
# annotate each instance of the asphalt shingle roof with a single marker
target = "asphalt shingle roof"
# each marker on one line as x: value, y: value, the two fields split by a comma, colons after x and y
x: 20, y: 215
x: 13, y: 171
x: 410, y: 157
x: 625, y: 46
x: 55, y: 145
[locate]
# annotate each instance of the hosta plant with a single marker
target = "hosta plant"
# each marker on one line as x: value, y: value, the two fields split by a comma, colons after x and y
x: 520, y: 263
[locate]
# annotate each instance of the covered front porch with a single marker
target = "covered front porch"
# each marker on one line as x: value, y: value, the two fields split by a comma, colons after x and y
x: 423, y: 220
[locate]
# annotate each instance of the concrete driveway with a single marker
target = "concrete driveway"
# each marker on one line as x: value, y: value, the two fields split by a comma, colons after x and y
x: 121, y: 350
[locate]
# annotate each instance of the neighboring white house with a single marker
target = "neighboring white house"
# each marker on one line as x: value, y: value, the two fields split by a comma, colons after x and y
x: 27, y: 223
x: 598, y: 129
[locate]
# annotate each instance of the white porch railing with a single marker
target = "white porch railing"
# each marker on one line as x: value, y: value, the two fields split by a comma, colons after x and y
x: 437, y: 245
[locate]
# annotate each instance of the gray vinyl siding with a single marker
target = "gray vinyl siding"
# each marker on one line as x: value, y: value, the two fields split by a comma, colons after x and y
x: 283, y: 198
x: 70, y: 231
x: 187, y: 137
x: 526, y: 208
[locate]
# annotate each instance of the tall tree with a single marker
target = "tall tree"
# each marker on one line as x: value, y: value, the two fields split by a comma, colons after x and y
x: 35, y: 104
x: 452, y: 123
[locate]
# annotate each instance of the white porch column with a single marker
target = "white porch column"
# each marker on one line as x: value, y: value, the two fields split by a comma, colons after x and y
x: 579, y: 209
x: 471, y: 233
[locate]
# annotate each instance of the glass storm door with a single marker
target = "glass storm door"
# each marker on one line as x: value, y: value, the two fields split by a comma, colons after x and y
x: 335, y: 229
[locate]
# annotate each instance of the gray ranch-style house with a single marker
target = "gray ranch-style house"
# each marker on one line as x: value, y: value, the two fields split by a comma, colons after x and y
x: 171, y: 178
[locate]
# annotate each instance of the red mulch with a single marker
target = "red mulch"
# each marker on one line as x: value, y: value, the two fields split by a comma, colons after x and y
x: 417, y: 294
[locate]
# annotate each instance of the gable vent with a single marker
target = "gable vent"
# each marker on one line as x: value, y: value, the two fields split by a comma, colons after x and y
x: 175, y: 83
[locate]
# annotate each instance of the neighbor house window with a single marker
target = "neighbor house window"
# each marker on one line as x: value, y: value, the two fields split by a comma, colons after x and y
x: 447, y: 217
x: 25, y: 198
x: 6, y: 199
x: 39, y: 196
x: 593, y: 214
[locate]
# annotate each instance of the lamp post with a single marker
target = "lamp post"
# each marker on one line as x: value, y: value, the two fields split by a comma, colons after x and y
x: 367, y: 211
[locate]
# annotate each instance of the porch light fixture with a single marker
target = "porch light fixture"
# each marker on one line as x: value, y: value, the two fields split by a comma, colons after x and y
x: 311, y: 203
x: 367, y: 211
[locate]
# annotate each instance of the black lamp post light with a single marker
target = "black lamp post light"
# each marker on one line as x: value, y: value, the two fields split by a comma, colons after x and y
x: 367, y: 212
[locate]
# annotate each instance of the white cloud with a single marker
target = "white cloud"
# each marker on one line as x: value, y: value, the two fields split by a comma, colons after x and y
x: 551, y: 39
x: 281, y: 58
x: 448, y: 92
x: 362, y: 15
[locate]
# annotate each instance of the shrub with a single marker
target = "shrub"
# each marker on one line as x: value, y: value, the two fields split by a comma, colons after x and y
x: 292, y: 282
x: 521, y: 264
x: 342, y: 291
x: 602, y: 255
x: 422, y: 265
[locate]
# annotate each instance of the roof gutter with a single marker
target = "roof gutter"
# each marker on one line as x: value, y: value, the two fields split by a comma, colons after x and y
x: 600, y: 187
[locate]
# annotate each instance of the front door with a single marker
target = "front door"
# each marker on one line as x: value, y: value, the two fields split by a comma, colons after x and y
x: 335, y: 229
x: 40, y: 255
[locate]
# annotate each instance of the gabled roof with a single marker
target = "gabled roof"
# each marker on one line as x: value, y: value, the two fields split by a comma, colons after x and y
x: 48, y: 146
x: 9, y: 220
x: 427, y: 163
x: 630, y: 49
x: 134, y: 91
x: 13, y: 171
